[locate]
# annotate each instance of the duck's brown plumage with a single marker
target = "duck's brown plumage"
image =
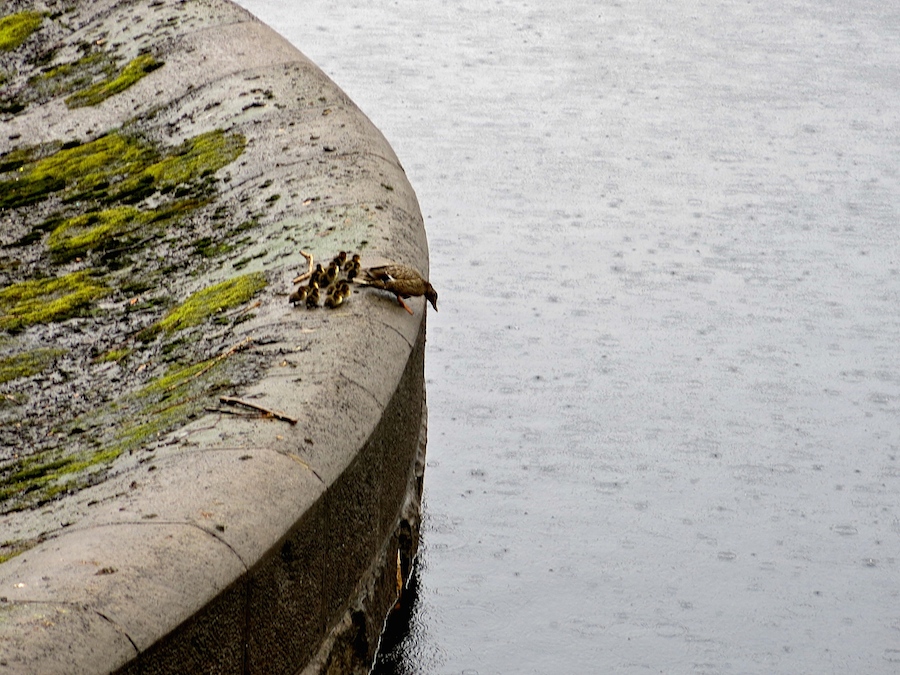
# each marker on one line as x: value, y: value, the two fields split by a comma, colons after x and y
x: 402, y: 281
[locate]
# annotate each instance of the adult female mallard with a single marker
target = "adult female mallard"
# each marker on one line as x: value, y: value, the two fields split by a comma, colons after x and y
x: 402, y: 281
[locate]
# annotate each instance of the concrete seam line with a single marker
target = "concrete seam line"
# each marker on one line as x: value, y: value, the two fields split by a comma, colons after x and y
x: 118, y: 628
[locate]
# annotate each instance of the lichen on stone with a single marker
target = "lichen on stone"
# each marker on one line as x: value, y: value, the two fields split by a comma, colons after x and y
x: 95, y: 230
x: 100, y: 91
x: 197, y: 157
x: 16, y: 28
x: 204, y: 303
x: 26, y: 364
x: 44, y: 300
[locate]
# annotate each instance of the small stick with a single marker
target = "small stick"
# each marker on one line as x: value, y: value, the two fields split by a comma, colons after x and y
x: 277, y: 414
x: 212, y: 364
x: 309, y: 262
x: 228, y: 411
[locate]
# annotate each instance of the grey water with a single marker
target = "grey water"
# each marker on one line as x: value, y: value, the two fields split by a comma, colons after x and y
x: 664, y: 381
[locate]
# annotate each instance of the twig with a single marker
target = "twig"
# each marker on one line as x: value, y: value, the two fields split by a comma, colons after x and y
x: 212, y: 364
x: 277, y: 414
x: 228, y: 411
x: 309, y: 262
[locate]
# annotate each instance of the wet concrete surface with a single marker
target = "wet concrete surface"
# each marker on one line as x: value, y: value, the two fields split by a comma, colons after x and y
x: 664, y: 388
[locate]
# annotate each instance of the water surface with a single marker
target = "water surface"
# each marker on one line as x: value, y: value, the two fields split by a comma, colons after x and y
x: 664, y: 382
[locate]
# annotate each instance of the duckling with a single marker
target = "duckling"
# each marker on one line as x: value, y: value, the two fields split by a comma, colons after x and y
x: 343, y: 288
x: 316, y: 276
x: 353, y: 261
x: 329, y: 275
x: 402, y: 281
x: 312, y: 296
x: 298, y: 296
x: 340, y: 259
x: 352, y: 270
x: 334, y: 300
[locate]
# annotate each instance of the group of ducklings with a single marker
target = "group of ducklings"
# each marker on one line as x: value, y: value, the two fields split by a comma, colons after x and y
x: 333, y: 282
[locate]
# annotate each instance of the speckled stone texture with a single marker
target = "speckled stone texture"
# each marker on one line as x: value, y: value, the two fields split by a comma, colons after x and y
x: 233, y: 542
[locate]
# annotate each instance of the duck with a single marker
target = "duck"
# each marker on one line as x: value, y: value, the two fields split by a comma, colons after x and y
x: 340, y: 259
x: 316, y: 276
x: 334, y: 300
x: 353, y: 261
x: 312, y: 296
x: 329, y: 275
x: 352, y: 270
x: 402, y: 281
x: 298, y: 295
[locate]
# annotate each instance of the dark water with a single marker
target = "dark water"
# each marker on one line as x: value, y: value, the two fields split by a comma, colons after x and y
x: 663, y: 386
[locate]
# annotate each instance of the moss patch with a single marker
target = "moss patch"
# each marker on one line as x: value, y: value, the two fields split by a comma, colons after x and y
x: 15, y: 29
x: 70, y: 77
x: 115, y: 167
x: 85, y: 167
x: 197, y: 157
x: 99, y: 92
x: 39, y: 478
x: 27, y: 364
x: 203, y: 304
x: 96, y: 230
x: 45, y: 300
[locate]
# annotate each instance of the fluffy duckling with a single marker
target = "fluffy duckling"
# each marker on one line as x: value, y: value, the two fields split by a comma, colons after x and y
x: 340, y: 259
x: 298, y: 296
x: 329, y: 276
x: 402, y: 281
x: 316, y: 276
x: 344, y: 289
x: 352, y: 270
x: 353, y: 261
x: 312, y: 296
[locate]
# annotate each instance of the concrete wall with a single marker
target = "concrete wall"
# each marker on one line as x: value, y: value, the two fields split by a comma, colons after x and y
x: 228, y: 543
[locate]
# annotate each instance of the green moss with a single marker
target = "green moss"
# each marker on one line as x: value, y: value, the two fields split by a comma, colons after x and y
x: 85, y: 167
x: 99, y: 92
x: 27, y: 364
x: 47, y: 300
x: 198, y: 156
x: 39, y: 478
x: 113, y: 355
x: 117, y: 167
x: 96, y: 230
x: 73, y: 76
x: 99, y: 161
x: 173, y: 379
x: 212, y: 300
x: 12, y: 160
x: 10, y: 549
x: 15, y: 29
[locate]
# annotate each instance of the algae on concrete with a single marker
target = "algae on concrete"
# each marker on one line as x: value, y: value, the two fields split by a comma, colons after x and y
x: 16, y: 28
x: 77, y: 235
x: 46, y: 300
x: 26, y: 364
x: 119, y: 82
x: 87, y: 218
x: 209, y: 301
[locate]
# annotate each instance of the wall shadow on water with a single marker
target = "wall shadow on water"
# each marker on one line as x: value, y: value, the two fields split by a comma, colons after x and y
x: 397, y: 651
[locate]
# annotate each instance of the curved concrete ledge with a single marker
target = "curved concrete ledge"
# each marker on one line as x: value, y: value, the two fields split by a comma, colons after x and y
x: 233, y: 544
